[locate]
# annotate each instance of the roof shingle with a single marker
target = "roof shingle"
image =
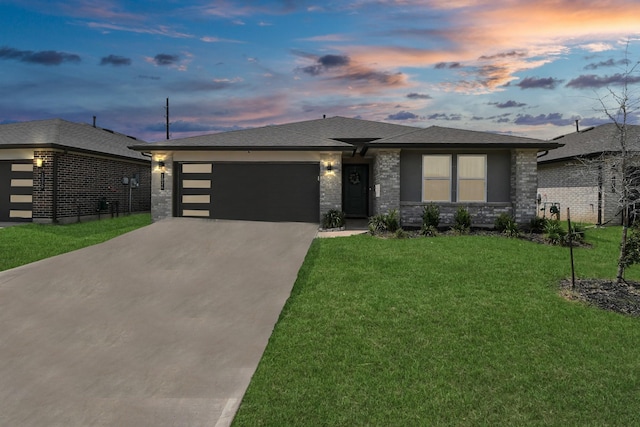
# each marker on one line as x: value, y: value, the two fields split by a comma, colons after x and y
x: 58, y: 133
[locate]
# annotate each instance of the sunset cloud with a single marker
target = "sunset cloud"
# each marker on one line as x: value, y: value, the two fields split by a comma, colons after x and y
x: 592, y: 81
x: 115, y: 60
x: 539, y: 83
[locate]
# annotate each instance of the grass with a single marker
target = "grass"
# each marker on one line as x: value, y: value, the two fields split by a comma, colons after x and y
x: 27, y: 243
x: 461, y: 331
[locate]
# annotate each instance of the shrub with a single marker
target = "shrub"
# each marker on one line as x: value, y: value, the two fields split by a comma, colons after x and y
x: 507, y: 225
x: 577, y: 232
x: 392, y: 221
x: 429, y: 231
x: 333, y: 218
x: 462, y: 221
x: 537, y: 225
x: 554, y: 233
x: 430, y: 216
x: 381, y: 222
x: 377, y: 224
x: 502, y: 222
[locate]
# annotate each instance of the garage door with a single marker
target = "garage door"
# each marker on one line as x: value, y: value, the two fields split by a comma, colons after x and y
x: 16, y: 190
x: 250, y: 191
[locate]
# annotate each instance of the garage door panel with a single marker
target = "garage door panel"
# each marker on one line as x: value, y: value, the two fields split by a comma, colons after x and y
x: 16, y: 190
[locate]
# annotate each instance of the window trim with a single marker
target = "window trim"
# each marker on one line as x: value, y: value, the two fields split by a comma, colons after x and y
x: 449, y: 178
x: 483, y: 179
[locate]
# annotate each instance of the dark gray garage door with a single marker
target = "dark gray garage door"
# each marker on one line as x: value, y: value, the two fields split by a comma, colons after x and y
x: 250, y: 191
x: 16, y: 189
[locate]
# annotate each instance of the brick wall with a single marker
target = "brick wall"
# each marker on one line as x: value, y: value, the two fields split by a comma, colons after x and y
x: 331, y: 183
x: 81, y: 181
x: 482, y: 214
x: 386, y: 174
x: 524, y: 184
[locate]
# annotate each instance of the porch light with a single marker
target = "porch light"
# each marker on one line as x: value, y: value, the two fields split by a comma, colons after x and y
x: 39, y: 163
x: 329, y: 167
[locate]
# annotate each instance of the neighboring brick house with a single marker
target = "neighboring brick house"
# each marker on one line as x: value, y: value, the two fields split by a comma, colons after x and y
x: 581, y: 174
x: 298, y: 171
x: 55, y: 171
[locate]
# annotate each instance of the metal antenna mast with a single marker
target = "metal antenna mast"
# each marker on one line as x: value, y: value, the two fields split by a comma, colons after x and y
x: 167, y: 116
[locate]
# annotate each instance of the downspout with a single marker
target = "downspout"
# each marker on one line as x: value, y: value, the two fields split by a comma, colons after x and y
x: 600, y: 194
x: 54, y: 188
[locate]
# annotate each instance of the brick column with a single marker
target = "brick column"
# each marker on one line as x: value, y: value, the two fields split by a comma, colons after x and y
x: 524, y: 184
x: 161, y: 199
x: 386, y: 175
x: 330, y: 183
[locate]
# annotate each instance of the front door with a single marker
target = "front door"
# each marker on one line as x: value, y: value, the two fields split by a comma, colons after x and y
x: 355, y: 185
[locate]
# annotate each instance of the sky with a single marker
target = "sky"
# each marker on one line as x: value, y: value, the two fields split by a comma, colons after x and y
x: 520, y: 67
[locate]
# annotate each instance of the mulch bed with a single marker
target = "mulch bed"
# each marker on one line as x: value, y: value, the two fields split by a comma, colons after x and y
x: 606, y: 294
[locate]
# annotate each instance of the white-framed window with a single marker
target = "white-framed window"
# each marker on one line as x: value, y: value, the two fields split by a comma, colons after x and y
x: 472, y: 178
x: 436, y: 178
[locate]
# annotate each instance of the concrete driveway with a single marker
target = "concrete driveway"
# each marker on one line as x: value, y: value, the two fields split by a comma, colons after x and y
x: 163, y: 326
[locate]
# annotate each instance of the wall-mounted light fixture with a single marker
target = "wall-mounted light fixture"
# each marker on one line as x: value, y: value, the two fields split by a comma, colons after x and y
x: 163, y: 169
x: 40, y: 173
x: 329, y: 167
x: 162, y: 166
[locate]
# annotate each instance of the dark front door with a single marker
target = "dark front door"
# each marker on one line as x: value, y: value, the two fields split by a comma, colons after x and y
x: 355, y: 186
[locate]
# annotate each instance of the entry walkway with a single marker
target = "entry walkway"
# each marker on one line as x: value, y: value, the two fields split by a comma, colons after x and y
x: 163, y: 326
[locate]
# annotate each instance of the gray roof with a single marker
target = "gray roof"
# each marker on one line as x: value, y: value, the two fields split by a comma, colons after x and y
x: 340, y: 133
x: 321, y: 134
x: 592, y: 141
x: 61, y: 134
x: 436, y: 136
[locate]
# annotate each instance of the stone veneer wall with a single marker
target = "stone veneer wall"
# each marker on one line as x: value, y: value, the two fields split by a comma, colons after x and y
x: 162, y: 199
x: 524, y: 184
x: 482, y: 214
x: 386, y: 174
x: 81, y: 181
x: 330, y: 183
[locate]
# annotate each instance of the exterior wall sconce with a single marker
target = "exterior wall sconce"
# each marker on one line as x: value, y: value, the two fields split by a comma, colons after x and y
x: 40, y: 173
x: 163, y: 169
x: 329, y: 167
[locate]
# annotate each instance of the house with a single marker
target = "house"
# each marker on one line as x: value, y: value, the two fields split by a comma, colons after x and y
x: 55, y: 171
x: 299, y: 171
x: 581, y: 175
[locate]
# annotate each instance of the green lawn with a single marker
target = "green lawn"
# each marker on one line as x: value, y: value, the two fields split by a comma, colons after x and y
x: 464, y: 331
x: 31, y: 242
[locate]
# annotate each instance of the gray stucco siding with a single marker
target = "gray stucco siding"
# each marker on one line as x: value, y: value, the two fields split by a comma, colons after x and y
x: 498, y: 174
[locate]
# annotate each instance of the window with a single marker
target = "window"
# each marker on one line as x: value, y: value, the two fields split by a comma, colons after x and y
x: 470, y: 173
x: 472, y: 178
x: 436, y: 178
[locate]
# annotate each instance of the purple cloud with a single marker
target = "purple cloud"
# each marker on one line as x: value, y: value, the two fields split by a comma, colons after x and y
x: 593, y: 81
x: 449, y: 65
x: 608, y: 63
x: 414, y: 95
x: 165, y: 59
x: 508, y: 104
x: 555, y: 119
x: 43, y: 57
x: 402, y: 115
x: 326, y: 62
x: 539, y: 83
x: 115, y: 60
x: 444, y: 116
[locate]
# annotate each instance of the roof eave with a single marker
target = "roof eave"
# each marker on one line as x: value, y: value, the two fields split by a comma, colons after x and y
x: 234, y: 148
x: 55, y: 146
x: 541, y: 146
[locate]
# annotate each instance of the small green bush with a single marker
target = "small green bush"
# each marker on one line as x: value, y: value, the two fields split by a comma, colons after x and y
x: 537, y: 225
x: 333, y: 218
x: 507, y: 225
x: 377, y: 224
x: 429, y: 231
x: 577, y: 232
x: 462, y: 221
x: 392, y: 220
x: 430, y: 216
x: 401, y: 234
x: 384, y: 222
x: 554, y: 233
